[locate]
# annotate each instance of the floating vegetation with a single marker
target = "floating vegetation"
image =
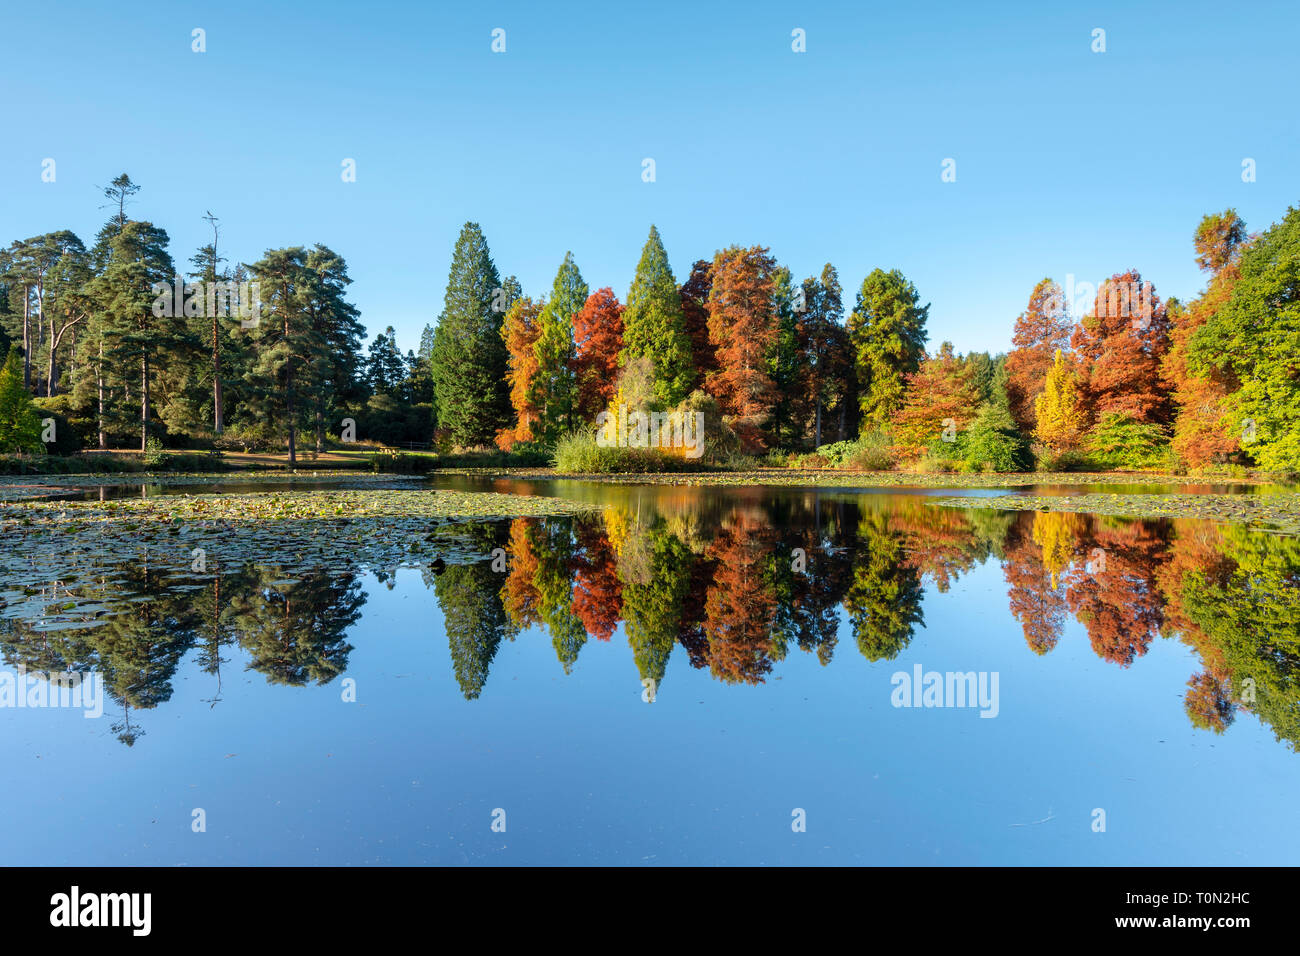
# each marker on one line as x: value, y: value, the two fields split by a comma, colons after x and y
x: 55, y: 554
x: 1277, y: 512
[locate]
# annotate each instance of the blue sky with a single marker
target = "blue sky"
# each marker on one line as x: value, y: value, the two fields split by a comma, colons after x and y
x: 1068, y: 161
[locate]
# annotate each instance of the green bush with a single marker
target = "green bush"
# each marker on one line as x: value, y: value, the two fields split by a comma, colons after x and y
x: 992, y: 443
x: 871, y: 451
x: 154, y: 454
x: 1118, y: 441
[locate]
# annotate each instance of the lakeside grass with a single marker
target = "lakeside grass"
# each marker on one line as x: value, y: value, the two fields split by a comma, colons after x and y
x: 837, y: 478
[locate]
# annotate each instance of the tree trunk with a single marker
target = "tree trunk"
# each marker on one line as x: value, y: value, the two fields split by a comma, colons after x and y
x: 99, y: 382
x: 144, y: 403
x: 218, y: 413
x: 291, y: 405
x: 320, y: 424
x: 27, y: 337
x: 818, y: 442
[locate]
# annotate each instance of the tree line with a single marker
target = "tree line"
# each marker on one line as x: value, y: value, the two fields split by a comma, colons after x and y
x: 117, y: 344
x: 1130, y: 381
x: 782, y: 364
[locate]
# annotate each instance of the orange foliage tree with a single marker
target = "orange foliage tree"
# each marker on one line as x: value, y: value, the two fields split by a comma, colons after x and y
x: 520, y: 330
x: 1119, y: 347
x: 1040, y: 330
x: 742, y: 330
x: 940, y: 395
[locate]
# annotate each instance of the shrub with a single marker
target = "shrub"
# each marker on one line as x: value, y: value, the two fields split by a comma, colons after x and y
x: 992, y: 443
x: 579, y: 453
x: 1118, y: 441
x: 154, y: 455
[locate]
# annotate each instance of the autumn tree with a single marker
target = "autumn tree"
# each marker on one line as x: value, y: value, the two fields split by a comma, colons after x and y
x: 1057, y: 409
x: 598, y: 336
x: 520, y: 331
x: 940, y: 397
x: 742, y: 329
x: 1119, y: 347
x: 1041, y: 331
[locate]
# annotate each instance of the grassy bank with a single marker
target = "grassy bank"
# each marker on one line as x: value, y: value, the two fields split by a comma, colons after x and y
x: 832, y: 478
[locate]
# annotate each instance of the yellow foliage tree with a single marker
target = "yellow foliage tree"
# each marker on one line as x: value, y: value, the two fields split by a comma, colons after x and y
x: 1059, y: 411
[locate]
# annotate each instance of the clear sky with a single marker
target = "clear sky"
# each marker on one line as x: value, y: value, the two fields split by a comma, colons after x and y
x: 1067, y: 161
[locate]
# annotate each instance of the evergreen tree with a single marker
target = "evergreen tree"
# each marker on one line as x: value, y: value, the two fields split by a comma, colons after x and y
x: 784, y: 361
x: 385, y: 370
x: 469, y: 355
x: 136, y: 335
x: 887, y: 334
x: 653, y: 325
x: 555, y: 384
x: 20, y: 423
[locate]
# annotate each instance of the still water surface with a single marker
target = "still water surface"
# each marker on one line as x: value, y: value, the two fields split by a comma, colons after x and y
x: 685, y: 676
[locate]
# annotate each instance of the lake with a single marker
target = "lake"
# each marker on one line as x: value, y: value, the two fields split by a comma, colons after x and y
x: 682, y: 675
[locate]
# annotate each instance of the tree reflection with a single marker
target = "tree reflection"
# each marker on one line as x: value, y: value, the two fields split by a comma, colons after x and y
x: 741, y: 581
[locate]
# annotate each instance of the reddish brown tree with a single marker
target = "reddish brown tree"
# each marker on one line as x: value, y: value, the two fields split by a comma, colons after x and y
x: 1040, y: 330
x: 1120, y: 347
x: 519, y: 594
x: 742, y: 329
x: 598, y: 333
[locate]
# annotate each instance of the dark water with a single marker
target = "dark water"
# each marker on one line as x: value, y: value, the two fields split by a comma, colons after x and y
x: 687, y: 676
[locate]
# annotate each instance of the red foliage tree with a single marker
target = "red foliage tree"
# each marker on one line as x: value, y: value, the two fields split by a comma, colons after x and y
x: 1035, y: 601
x: 742, y: 329
x: 598, y: 333
x: 1120, y: 347
x: 597, y: 591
